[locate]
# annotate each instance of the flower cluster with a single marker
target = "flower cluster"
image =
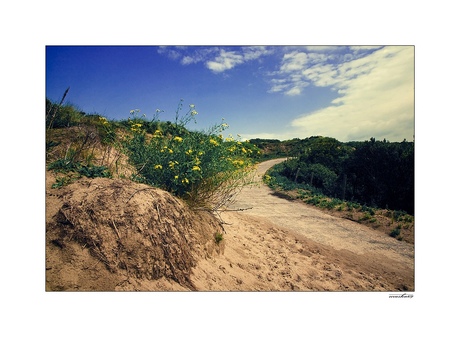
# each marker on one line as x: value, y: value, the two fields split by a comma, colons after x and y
x: 194, y: 165
x: 136, y: 127
x: 103, y: 120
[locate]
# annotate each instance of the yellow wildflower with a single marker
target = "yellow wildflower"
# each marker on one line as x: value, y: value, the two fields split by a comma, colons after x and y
x: 178, y: 139
x: 196, y: 168
x: 158, y: 167
x: 213, y: 142
x: 136, y: 127
x: 189, y: 152
x: 103, y: 120
x: 185, y: 181
x: 238, y: 162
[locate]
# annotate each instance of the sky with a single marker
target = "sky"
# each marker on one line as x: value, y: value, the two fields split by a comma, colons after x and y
x: 263, y: 91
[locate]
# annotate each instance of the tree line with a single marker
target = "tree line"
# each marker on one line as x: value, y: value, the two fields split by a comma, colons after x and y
x: 375, y: 173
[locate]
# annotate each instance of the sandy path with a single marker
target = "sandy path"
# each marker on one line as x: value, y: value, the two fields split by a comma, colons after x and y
x: 284, y: 245
x: 318, y: 226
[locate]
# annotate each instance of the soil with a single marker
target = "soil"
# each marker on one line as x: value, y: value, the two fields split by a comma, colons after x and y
x: 117, y: 235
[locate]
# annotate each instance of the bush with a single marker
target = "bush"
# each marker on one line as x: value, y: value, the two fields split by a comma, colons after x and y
x: 90, y: 171
x: 395, y: 232
x: 218, y: 237
x: 201, y: 167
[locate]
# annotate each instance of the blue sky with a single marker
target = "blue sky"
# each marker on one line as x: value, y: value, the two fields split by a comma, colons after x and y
x: 281, y: 92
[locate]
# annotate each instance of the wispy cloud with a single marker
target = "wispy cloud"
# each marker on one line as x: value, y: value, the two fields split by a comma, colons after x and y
x: 169, y: 52
x: 216, y: 59
x: 317, y: 65
x: 376, y: 97
x: 374, y: 85
x: 225, y: 61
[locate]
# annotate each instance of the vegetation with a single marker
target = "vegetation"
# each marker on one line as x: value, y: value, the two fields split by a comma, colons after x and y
x: 274, y: 148
x: 204, y: 168
x: 218, y: 237
x: 371, y: 182
x: 363, y: 180
x: 375, y: 173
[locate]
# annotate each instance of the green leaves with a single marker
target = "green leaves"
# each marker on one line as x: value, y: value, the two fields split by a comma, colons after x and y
x: 377, y: 173
x: 197, y: 166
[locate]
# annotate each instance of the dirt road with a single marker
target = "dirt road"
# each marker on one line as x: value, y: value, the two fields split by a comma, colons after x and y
x: 322, y: 228
x: 292, y: 244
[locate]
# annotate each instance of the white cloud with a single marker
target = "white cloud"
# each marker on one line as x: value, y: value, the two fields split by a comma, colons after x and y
x: 322, y: 65
x: 323, y: 48
x: 225, y: 61
x: 188, y: 60
x: 253, y: 53
x: 377, y: 98
x: 230, y: 59
x: 293, y: 61
x: 321, y: 75
x: 216, y: 59
x: 359, y: 48
x: 278, y: 88
x: 197, y: 55
x: 294, y: 91
x: 171, y: 53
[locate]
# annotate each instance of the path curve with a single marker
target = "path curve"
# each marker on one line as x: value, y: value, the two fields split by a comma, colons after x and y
x: 303, y: 219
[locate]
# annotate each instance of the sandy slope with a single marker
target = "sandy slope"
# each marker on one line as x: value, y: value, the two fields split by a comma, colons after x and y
x: 273, y: 245
x: 276, y: 244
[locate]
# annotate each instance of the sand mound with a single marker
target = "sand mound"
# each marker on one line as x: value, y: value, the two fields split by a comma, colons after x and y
x: 135, y: 230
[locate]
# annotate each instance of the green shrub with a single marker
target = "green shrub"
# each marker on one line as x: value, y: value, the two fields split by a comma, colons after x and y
x: 68, y: 166
x: 370, y: 210
x: 218, y: 237
x: 395, y: 232
x: 201, y: 167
